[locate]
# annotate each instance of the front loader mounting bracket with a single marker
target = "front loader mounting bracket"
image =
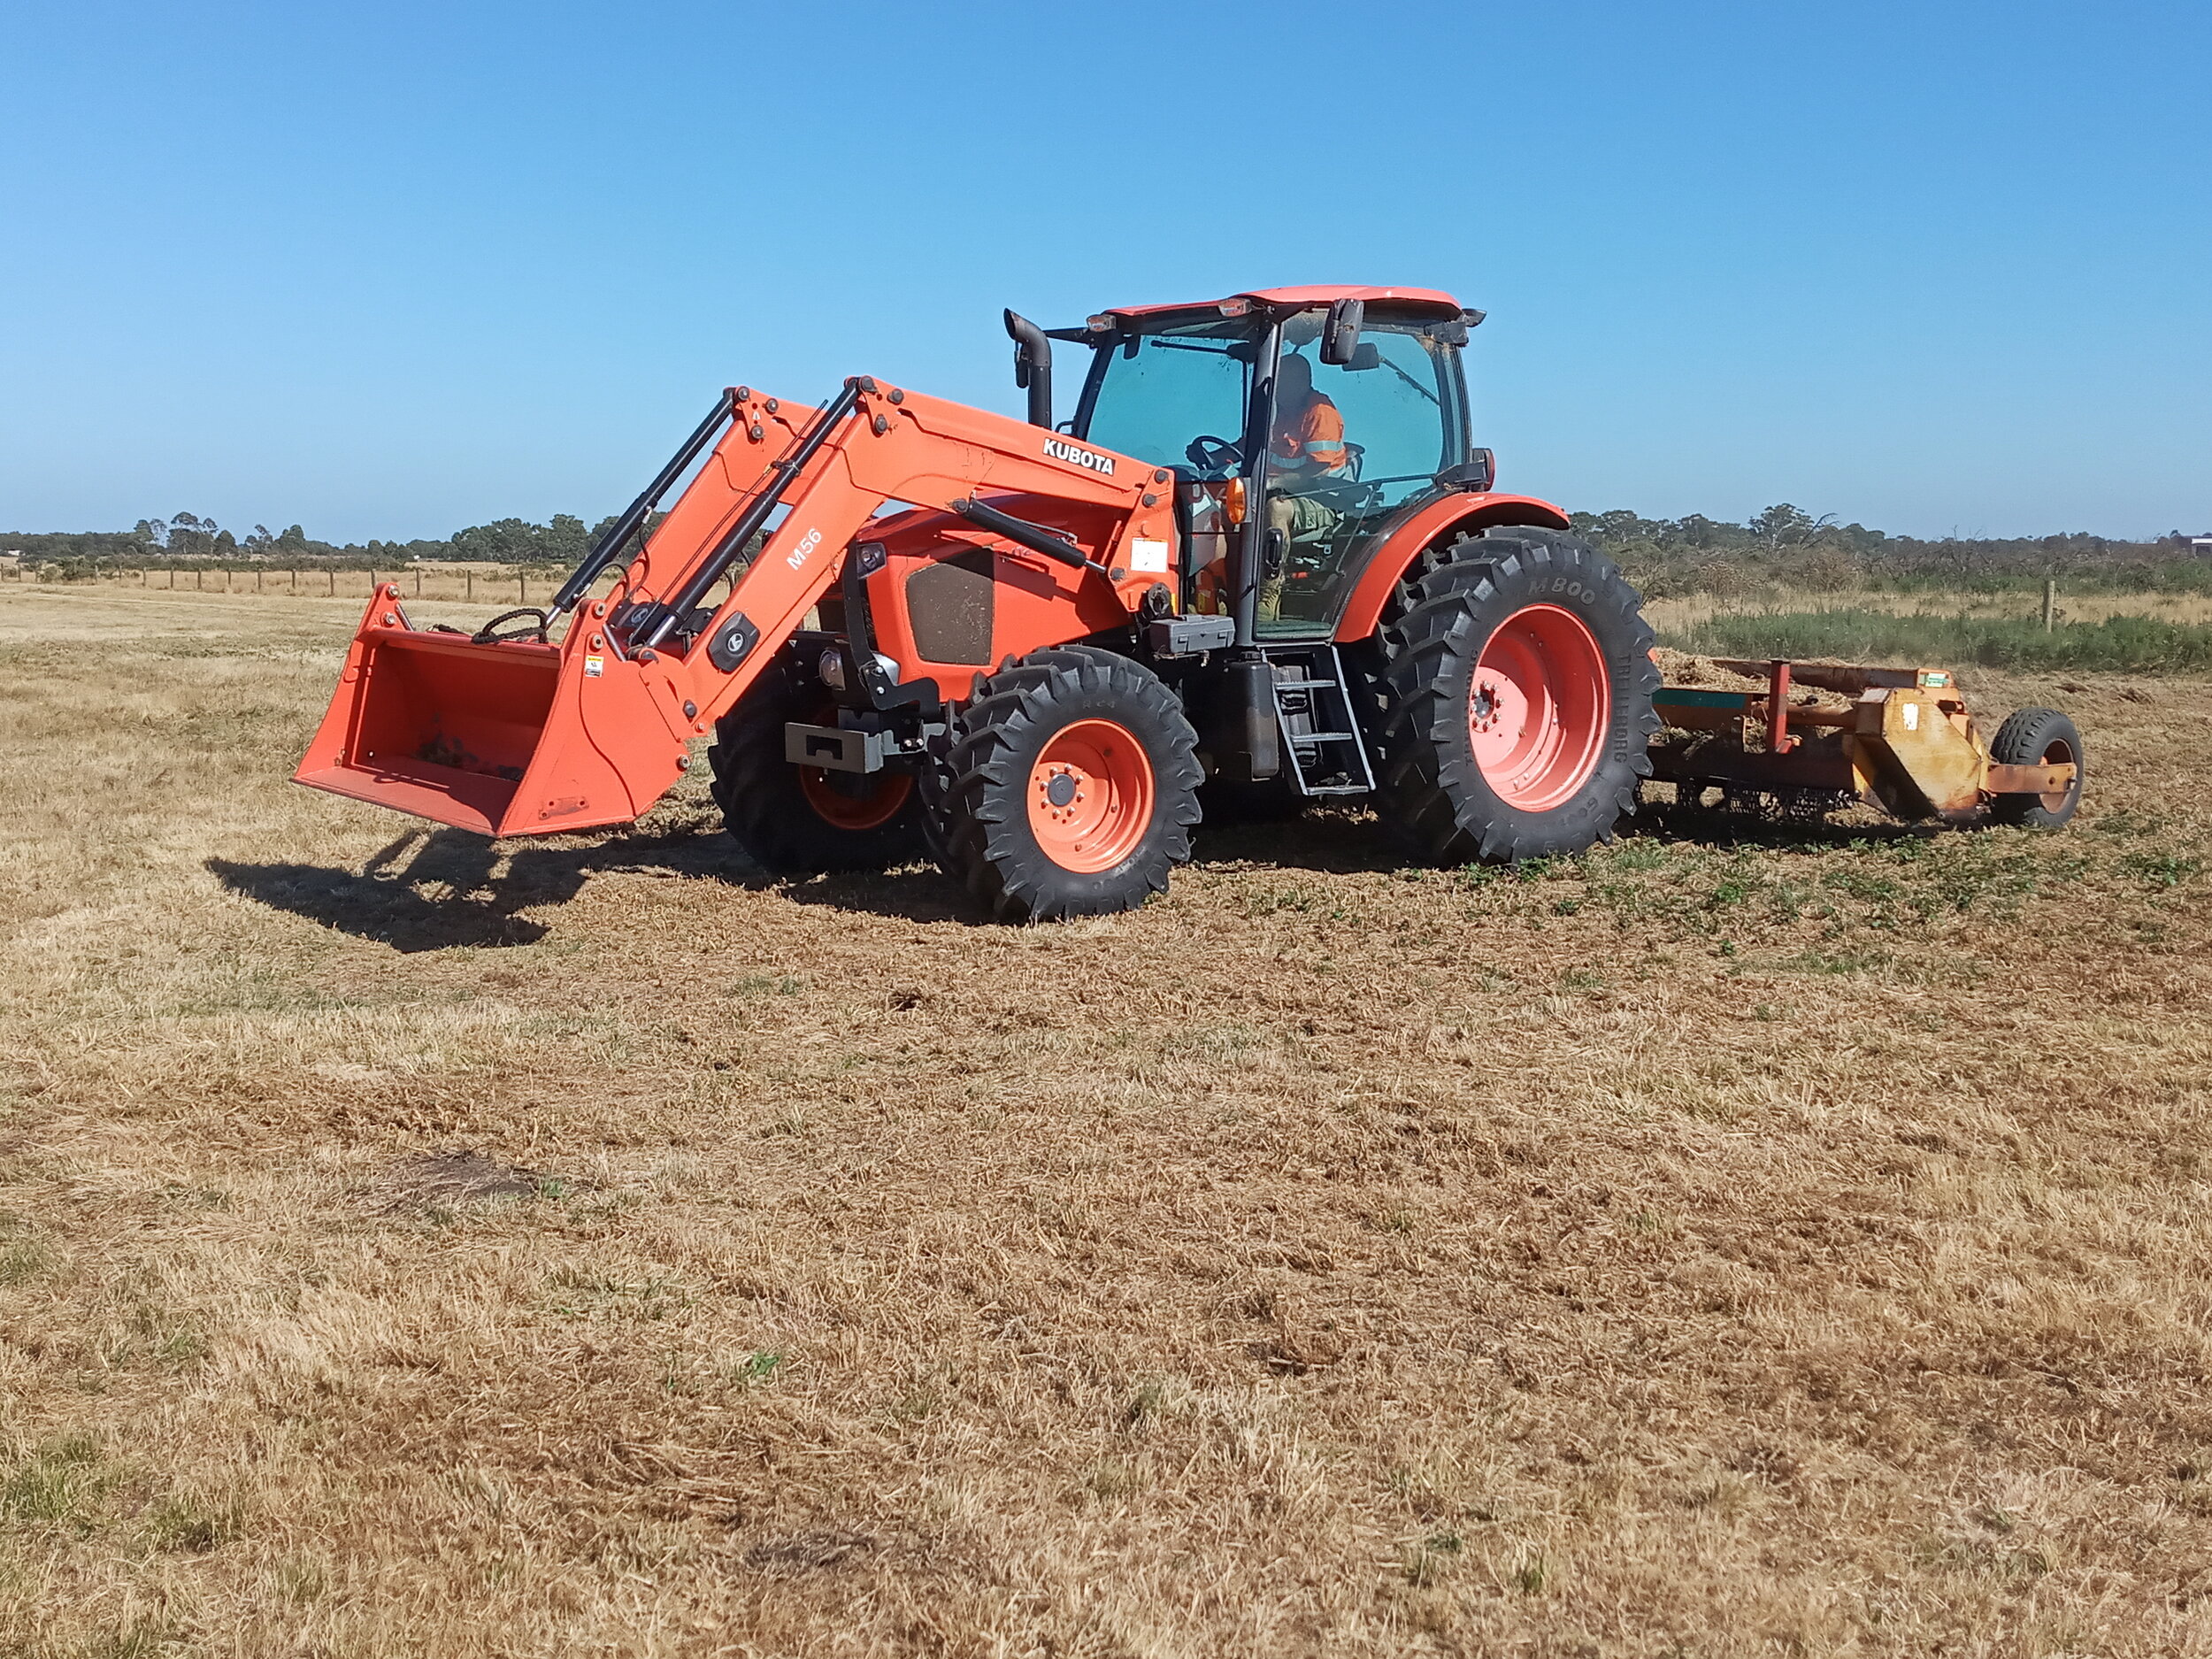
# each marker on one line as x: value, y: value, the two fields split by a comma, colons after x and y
x: 732, y: 640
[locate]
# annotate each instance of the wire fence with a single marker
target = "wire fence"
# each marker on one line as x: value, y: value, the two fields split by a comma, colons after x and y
x: 492, y: 586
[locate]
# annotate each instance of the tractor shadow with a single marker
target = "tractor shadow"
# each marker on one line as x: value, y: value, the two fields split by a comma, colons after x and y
x: 1724, y: 829
x: 1336, y: 840
x: 1351, y: 840
x: 440, y: 889
x: 447, y: 889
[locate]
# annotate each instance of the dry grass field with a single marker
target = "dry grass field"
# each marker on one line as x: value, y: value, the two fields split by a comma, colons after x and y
x: 1714, y: 1246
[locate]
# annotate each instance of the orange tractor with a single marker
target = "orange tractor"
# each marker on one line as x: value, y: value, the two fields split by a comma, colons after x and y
x: 1263, y: 562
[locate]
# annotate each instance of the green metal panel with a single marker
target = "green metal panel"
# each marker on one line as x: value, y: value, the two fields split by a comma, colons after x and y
x: 1685, y: 697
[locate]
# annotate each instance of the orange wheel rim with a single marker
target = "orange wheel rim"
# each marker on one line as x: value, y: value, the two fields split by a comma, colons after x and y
x: 1538, y: 705
x: 1090, y: 795
x: 873, y: 808
x: 2059, y: 752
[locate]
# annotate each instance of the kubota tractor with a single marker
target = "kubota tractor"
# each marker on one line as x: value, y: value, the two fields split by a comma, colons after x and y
x: 1261, y: 563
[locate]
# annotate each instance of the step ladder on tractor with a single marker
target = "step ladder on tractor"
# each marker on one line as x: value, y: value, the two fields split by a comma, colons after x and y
x: 1261, y: 563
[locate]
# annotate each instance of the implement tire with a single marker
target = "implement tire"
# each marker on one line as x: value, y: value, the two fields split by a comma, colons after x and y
x: 1069, y: 788
x: 1516, y: 687
x: 804, y: 820
x: 2038, y: 737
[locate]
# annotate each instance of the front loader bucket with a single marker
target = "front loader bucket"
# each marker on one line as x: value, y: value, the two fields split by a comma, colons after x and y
x: 503, y: 739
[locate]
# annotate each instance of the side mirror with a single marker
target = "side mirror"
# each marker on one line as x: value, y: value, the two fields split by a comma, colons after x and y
x: 1478, y: 473
x: 1339, y: 335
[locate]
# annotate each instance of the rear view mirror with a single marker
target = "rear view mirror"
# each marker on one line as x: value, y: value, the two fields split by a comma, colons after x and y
x: 1339, y: 335
x: 1366, y: 354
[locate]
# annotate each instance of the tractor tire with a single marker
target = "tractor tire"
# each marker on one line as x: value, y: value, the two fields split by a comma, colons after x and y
x: 1069, y: 788
x: 1516, y: 692
x: 804, y: 820
x: 2038, y: 737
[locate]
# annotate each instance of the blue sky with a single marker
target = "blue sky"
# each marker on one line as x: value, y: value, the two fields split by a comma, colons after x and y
x: 393, y: 269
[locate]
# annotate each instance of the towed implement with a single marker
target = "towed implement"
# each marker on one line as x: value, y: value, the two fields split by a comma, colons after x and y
x: 1896, y: 739
x: 1261, y: 563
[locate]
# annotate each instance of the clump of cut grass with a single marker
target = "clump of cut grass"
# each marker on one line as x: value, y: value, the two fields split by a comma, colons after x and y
x: 57, y: 1483
x: 190, y: 1524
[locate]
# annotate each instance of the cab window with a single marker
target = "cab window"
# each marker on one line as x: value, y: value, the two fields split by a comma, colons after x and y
x: 1153, y: 396
x: 1399, y: 409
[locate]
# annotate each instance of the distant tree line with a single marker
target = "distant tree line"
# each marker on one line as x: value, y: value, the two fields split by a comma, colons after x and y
x: 1782, y: 546
x: 187, y: 537
x: 1786, y: 546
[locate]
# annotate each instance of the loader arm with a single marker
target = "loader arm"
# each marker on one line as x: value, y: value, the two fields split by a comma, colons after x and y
x: 512, y: 738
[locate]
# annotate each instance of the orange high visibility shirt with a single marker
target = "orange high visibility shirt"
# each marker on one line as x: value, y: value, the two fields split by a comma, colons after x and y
x: 1311, y: 439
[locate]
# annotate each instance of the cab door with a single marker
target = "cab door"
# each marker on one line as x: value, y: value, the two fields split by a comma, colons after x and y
x: 1401, y: 404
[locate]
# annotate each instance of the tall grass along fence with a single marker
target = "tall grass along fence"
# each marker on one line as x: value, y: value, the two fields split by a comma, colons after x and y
x: 2139, y: 645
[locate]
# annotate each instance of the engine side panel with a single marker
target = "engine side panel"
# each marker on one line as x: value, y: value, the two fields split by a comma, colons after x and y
x: 953, y: 601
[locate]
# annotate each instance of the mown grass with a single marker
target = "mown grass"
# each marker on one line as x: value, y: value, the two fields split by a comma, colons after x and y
x: 1746, y: 1239
x: 2137, y: 645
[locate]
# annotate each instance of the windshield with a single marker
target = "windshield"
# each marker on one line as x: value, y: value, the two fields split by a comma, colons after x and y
x: 1153, y: 396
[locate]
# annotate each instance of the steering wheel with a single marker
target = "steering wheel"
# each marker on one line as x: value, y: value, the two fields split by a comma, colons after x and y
x: 1210, y: 454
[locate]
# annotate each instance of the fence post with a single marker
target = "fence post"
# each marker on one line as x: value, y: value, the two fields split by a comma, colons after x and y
x: 334, y: 581
x: 469, y: 577
x: 2050, y: 604
x: 522, y: 588
x: 417, y: 581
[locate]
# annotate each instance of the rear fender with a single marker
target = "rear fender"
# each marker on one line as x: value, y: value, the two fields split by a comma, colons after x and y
x: 1431, y: 526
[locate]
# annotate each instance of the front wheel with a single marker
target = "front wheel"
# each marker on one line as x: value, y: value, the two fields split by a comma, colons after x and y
x: 1069, y: 788
x: 801, y: 820
x: 1517, y: 688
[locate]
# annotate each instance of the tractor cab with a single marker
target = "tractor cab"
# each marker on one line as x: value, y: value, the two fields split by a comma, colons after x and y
x: 1303, y: 425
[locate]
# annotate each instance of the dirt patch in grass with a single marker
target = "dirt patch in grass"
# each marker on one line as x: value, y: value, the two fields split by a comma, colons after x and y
x: 434, y: 1181
x: 1740, y: 1239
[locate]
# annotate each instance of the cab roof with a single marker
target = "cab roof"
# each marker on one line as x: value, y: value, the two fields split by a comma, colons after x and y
x: 1301, y: 298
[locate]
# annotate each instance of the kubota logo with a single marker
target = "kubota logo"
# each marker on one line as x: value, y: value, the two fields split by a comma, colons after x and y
x: 1074, y: 456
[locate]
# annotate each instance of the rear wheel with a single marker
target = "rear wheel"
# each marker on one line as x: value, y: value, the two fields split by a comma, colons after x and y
x: 801, y: 820
x: 2038, y: 737
x: 1069, y: 788
x: 1517, y: 685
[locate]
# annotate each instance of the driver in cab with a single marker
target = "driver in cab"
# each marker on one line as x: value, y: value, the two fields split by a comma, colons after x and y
x: 1306, y: 448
